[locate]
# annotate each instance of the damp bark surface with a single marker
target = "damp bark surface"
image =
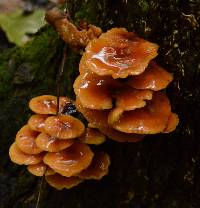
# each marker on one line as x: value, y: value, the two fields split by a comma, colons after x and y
x: 160, y: 171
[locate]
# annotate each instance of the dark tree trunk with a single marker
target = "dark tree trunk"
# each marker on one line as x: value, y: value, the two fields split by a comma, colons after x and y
x: 163, y: 171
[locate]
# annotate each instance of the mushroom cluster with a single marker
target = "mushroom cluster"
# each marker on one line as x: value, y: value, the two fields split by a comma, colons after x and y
x: 119, y: 87
x: 55, y: 145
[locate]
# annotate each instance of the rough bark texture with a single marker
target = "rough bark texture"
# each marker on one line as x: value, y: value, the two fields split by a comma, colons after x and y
x: 161, y: 171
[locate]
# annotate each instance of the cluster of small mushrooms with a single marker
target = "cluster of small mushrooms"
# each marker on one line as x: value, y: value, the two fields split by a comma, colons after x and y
x: 118, y: 91
x: 119, y: 87
x: 55, y: 144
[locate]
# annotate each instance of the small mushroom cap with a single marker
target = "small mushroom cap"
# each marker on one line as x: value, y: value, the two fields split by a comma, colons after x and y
x: 93, y: 136
x: 121, y: 136
x: 153, y: 78
x: 64, y: 127
x: 151, y: 119
x: 25, y: 140
x: 47, y: 104
x: 172, y: 123
x: 36, y: 122
x: 98, y: 168
x: 119, y: 53
x: 128, y: 99
x: 92, y: 91
x: 52, y: 144
x: 40, y: 169
x: 70, y: 161
x: 21, y: 158
x: 97, y: 118
x: 60, y: 182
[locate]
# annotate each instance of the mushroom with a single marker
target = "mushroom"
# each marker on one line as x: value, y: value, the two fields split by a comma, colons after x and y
x: 25, y: 140
x: 150, y: 119
x: 47, y: 104
x: 119, y: 53
x: 40, y: 169
x: 21, y: 158
x: 92, y: 136
x: 60, y: 182
x: 98, y: 168
x: 92, y: 91
x: 36, y: 122
x: 153, y: 78
x: 70, y: 161
x: 64, y: 127
x: 172, y: 123
x: 52, y: 144
x: 128, y: 99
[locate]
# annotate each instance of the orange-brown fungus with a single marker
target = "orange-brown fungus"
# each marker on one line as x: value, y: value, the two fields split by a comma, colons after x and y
x: 93, y: 91
x: 21, y: 158
x: 70, y: 161
x: 47, y: 104
x: 172, y: 123
x: 40, y: 169
x: 98, y: 167
x: 69, y: 32
x: 151, y: 119
x: 92, y: 136
x: 52, y: 144
x: 119, y: 53
x: 36, y: 122
x: 154, y: 78
x: 60, y: 182
x: 64, y: 126
x: 25, y: 140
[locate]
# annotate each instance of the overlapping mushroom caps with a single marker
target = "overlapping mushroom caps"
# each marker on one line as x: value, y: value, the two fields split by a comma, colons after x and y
x: 117, y: 90
x: 54, y: 144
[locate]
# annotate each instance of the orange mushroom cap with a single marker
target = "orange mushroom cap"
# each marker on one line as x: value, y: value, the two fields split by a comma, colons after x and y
x: 70, y: 161
x: 47, y: 104
x: 64, y: 127
x: 21, y: 158
x: 151, y: 119
x: 36, y: 122
x: 153, y: 78
x: 128, y: 99
x: 172, y: 123
x: 40, y: 169
x: 93, y: 136
x: 98, y: 168
x: 60, y: 182
x: 119, y: 53
x: 92, y: 91
x: 25, y: 140
x: 52, y: 144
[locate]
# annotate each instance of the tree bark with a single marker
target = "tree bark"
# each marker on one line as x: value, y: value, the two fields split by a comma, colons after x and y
x: 162, y: 170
